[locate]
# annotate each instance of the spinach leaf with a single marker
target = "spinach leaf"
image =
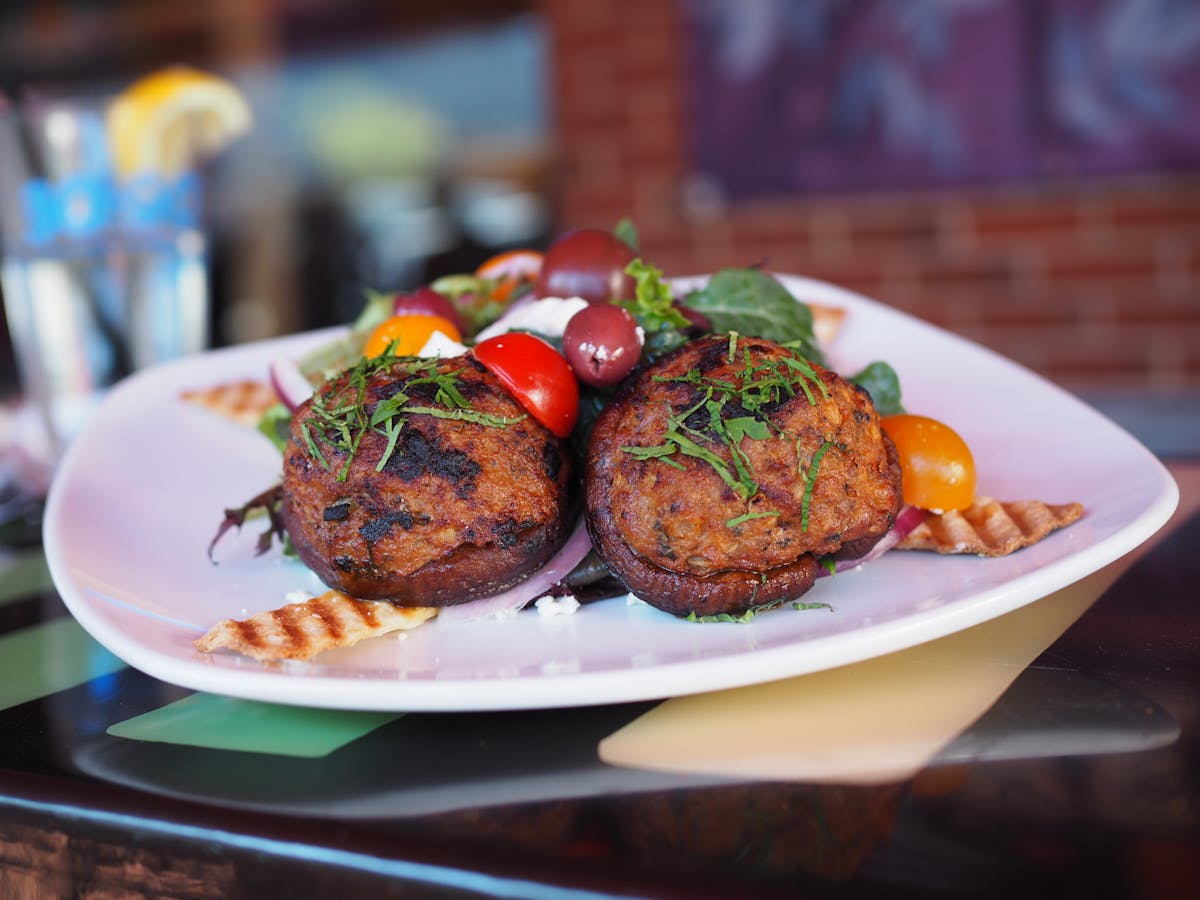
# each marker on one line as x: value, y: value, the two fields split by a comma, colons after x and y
x: 883, y: 384
x: 751, y: 302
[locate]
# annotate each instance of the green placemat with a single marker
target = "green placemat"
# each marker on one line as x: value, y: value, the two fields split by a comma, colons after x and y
x: 224, y: 723
x: 23, y: 575
x: 43, y: 659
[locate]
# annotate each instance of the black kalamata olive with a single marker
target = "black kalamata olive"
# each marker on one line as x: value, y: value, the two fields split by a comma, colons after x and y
x: 602, y: 344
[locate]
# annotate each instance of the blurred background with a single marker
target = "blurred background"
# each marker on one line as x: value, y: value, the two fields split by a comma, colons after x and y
x: 1023, y: 172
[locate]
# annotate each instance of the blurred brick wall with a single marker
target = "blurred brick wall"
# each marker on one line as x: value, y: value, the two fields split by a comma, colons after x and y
x: 1096, y: 285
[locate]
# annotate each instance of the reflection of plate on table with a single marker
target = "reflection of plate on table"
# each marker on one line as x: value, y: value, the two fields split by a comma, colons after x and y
x: 437, y: 764
x: 1060, y: 712
x: 141, y: 492
x: 418, y: 765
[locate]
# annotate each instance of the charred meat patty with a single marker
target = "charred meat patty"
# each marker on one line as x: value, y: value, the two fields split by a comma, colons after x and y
x: 717, y: 478
x: 423, y: 482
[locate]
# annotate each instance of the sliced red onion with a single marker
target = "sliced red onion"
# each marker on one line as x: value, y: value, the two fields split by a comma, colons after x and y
x: 517, y: 597
x: 289, y: 382
x: 908, y: 518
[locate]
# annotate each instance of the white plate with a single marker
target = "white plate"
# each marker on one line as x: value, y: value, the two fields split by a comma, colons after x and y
x: 141, y: 492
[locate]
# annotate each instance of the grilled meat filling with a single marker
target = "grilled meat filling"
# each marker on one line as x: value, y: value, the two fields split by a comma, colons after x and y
x: 718, y: 477
x: 423, y: 482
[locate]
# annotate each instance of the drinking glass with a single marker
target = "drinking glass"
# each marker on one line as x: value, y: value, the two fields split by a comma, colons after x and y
x: 102, y: 275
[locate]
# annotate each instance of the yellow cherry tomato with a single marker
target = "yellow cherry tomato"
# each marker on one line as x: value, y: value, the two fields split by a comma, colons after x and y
x: 408, y: 333
x: 936, y: 465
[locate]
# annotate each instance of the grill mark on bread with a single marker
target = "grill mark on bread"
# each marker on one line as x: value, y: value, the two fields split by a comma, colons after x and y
x: 329, y: 618
x: 990, y: 527
x: 247, y: 631
x: 243, y: 402
x: 286, y: 618
x: 299, y: 631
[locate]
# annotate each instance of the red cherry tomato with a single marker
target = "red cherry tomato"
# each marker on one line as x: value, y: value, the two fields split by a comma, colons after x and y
x: 537, y: 375
x: 587, y: 263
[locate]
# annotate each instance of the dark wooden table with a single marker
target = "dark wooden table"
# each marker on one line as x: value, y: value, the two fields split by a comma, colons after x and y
x: 1081, y: 780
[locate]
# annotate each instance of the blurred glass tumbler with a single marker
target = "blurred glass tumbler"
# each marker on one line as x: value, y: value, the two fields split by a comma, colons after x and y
x: 101, y: 275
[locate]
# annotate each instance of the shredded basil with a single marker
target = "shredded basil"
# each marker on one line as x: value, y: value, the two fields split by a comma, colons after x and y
x: 341, y: 414
x: 752, y: 392
x: 746, y: 517
x: 810, y: 480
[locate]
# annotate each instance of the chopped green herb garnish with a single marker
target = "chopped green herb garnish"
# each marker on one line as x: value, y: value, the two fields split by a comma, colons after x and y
x: 796, y: 604
x: 740, y: 619
x: 732, y: 411
x: 743, y: 619
x: 746, y: 517
x: 342, y: 415
x: 810, y: 480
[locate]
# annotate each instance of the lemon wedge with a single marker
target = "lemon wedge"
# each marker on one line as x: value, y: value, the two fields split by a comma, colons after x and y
x: 164, y: 122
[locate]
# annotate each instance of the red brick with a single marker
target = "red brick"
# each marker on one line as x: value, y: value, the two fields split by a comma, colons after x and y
x: 893, y: 223
x: 769, y: 220
x: 582, y: 202
x: 658, y: 17
x: 652, y: 101
x: 1038, y: 315
x: 601, y: 106
x: 982, y: 270
x: 865, y: 276
x: 1152, y: 312
x: 664, y: 237
x: 1174, y: 208
x: 571, y: 17
x: 656, y: 144
x: 586, y: 76
x: 676, y: 263
x: 1062, y: 266
x: 1035, y: 217
x: 650, y: 55
x: 655, y: 190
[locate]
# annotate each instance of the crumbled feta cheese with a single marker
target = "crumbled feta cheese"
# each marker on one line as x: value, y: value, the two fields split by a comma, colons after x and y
x: 557, y: 606
x: 441, y: 345
x: 548, y: 316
